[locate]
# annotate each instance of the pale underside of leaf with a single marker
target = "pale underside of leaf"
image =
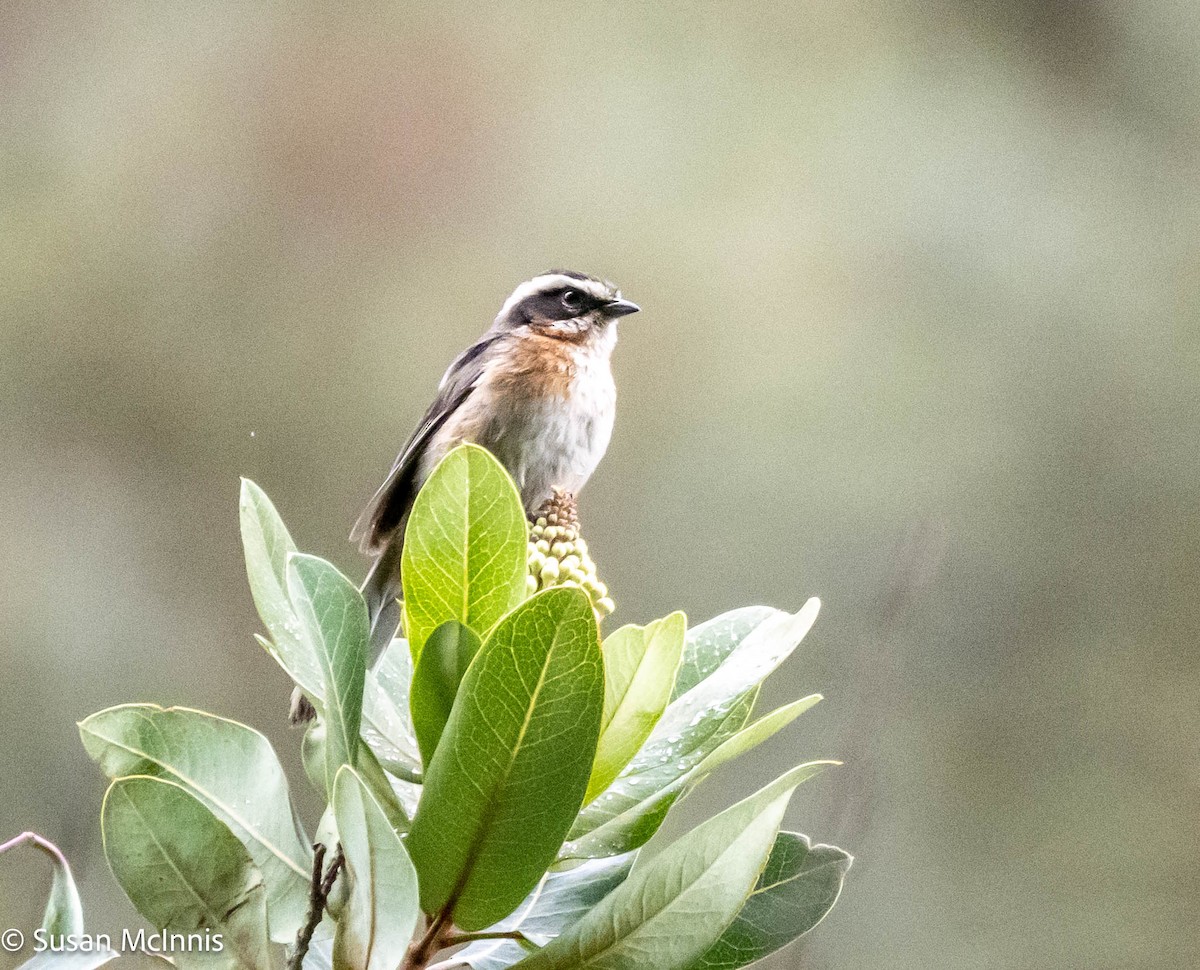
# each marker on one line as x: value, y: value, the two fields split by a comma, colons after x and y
x: 694, y: 725
x: 560, y: 899
x: 78, y: 960
x: 670, y: 911
x: 377, y: 922
x: 333, y: 617
x: 259, y: 812
x: 385, y: 725
x: 183, y: 868
x: 797, y: 888
x: 708, y: 644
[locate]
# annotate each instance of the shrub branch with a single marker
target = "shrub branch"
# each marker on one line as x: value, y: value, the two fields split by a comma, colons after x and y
x: 318, y: 896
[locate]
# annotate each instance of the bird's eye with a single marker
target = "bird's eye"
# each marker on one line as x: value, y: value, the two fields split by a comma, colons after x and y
x: 572, y: 299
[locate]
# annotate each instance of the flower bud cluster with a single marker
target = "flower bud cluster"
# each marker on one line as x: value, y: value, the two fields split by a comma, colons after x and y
x: 558, y: 555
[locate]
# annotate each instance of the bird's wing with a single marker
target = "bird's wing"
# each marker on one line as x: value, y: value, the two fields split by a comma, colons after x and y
x: 391, y: 502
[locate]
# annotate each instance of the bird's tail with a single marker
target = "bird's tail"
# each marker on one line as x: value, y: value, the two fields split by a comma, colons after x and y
x: 380, y: 589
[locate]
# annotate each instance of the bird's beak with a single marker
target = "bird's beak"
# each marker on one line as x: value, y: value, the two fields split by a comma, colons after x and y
x: 620, y: 308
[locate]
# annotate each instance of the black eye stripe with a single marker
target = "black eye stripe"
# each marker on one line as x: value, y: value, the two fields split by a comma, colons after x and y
x: 550, y: 305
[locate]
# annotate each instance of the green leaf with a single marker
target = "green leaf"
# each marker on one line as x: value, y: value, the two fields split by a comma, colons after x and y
x: 387, y: 723
x: 183, y: 869
x: 670, y: 911
x: 465, y: 547
x: 693, y: 726
x: 64, y: 911
x: 639, y: 670
x: 333, y: 618
x: 382, y: 789
x: 312, y: 752
x: 386, y: 727
x: 233, y: 771
x: 799, y: 885
x: 510, y: 771
x: 559, y: 900
x: 63, y: 916
x: 796, y: 890
x: 708, y: 644
x: 266, y: 545
x: 751, y: 737
x: 377, y: 923
x: 447, y: 654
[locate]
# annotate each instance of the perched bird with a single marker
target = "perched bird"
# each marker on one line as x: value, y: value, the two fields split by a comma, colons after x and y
x: 536, y: 390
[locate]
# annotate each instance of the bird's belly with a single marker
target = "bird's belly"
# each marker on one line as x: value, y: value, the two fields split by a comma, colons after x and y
x: 552, y: 444
x: 546, y: 441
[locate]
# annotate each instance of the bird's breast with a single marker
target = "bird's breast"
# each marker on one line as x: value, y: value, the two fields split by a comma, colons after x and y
x: 546, y: 412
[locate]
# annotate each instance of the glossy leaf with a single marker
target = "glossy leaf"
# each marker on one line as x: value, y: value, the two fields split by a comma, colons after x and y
x: 510, y: 771
x: 799, y: 885
x: 232, y: 770
x: 385, y: 726
x: 639, y: 671
x: 750, y: 737
x: 447, y: 654
x: 693, y: 726
x: 670, y: 911
x: 464, y: 547
x: 377, y: 922
x: 558, y: 901
x: 333, y: 620
x: 708, y: 644
x: 183, y: 869
x: 387, y: 721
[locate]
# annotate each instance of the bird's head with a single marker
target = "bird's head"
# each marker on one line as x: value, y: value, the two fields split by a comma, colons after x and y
x: 564, y: 304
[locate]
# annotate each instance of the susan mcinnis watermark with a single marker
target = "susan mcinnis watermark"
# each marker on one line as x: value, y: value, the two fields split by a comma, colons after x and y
x: 162, y: 943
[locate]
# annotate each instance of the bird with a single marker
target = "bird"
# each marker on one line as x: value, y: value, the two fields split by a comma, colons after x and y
x: 536, y: 390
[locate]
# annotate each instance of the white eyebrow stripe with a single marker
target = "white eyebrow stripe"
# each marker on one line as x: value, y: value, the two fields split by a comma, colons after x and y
x: 552, y: 281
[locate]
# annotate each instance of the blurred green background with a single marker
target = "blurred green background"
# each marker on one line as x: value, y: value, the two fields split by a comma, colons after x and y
x: 919, y: 336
